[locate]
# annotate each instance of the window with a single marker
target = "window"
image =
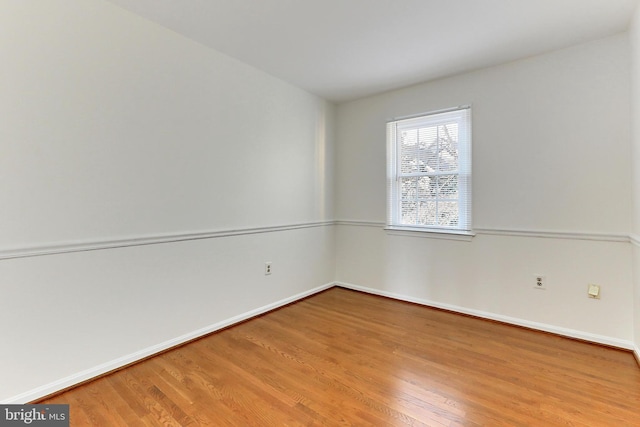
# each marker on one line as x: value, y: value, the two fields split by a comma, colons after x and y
x: 429, y: 172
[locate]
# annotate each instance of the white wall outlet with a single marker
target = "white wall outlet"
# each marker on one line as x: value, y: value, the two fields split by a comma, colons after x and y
x: 593, y: 291
x: 540, y: 282
x: 267, y: 268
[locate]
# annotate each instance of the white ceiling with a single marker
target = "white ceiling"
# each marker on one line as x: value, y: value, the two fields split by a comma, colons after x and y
x: 346, y: 49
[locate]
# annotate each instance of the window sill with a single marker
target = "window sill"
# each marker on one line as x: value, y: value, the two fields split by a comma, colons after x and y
x: 430, y: 233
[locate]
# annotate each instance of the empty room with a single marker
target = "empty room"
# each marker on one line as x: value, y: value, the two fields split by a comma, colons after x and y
x: 320, y: 212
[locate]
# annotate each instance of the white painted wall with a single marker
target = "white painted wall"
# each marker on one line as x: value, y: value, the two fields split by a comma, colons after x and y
x: 634, y: 36
x: 115, y: 128
x: 551, y: 150
x: 543, y: 128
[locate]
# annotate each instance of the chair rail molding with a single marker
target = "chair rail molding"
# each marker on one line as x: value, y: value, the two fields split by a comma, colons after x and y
x: 83, y: 246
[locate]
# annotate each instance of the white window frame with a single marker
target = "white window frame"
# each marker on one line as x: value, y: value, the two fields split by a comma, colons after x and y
x: 461, y: 116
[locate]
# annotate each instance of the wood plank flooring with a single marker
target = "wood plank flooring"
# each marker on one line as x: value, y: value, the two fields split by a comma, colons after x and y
x: 347, y: 358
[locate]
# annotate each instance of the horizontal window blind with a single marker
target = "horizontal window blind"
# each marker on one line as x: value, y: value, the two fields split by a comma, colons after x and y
x: 429, y: 171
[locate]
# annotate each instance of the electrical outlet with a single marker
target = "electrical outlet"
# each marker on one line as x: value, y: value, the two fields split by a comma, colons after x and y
x: 267, y: 268
x: 540, y: 282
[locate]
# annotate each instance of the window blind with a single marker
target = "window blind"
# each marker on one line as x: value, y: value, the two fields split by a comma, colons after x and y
x: 429, y: 171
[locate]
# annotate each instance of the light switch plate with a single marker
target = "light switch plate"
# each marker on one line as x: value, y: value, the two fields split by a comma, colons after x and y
x: 594, y: 291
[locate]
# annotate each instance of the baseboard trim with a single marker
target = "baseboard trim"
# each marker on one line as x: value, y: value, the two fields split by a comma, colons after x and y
x: 113, y: 365
x: 571, y: 333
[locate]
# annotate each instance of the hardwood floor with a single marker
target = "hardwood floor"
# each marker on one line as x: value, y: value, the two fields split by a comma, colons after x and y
x: 346, y: 358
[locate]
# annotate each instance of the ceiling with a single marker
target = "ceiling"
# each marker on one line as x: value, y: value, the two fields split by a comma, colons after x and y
x: 347, y: 49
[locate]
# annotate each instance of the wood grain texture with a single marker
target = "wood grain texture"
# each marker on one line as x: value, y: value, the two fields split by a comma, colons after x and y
x: 346, y: 358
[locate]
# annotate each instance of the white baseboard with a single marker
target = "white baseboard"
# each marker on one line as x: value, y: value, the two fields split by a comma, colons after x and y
x: 585, y: 336
x: 112, y: 365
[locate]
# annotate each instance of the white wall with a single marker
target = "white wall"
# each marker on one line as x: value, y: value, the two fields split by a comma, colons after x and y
x: 551, y: 152
x: 634, y: 35
x: 114, y: 128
